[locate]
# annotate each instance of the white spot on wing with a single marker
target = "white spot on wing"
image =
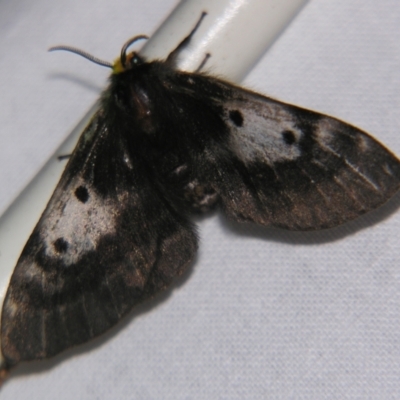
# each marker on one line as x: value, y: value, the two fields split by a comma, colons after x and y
x: 79, y: 224
x: 260, y: 137
x: 364, y: 143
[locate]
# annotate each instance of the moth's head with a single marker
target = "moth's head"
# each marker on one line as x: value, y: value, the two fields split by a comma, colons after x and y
x: 127, y: 61
x: 132, y: 59
x: 124, y: 62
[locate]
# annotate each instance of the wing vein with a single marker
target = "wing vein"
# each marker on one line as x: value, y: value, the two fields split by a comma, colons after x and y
x: 349, y: 193
x: 351, y: 166
x: 361, y: 175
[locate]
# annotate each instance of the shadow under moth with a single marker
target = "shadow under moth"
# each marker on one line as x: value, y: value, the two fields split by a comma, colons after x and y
x: 165, y: 144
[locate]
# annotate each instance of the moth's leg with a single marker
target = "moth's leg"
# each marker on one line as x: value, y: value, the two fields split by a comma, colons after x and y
x: 172, y: 57
x: 200, y: 67
x: 64, y: 157
x: 201, y: 197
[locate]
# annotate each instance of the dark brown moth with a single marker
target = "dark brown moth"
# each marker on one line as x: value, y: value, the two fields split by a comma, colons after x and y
x: 165, y: 144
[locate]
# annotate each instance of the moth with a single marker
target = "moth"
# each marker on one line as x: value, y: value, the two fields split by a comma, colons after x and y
x: 163, y: 145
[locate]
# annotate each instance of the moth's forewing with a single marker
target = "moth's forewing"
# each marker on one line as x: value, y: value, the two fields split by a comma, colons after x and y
x: 107, y: 240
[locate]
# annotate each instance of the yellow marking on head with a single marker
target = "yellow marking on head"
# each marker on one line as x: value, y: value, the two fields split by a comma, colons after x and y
x: 117, y: 66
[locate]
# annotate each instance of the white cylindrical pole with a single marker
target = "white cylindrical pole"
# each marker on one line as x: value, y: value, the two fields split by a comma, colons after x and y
x: 235, y: 32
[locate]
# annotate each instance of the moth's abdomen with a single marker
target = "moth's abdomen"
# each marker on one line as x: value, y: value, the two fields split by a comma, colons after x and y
x: 201, y: 197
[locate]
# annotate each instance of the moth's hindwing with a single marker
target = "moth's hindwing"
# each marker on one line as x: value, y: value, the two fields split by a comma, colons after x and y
x: 276, y: 164
x: 106, y: 241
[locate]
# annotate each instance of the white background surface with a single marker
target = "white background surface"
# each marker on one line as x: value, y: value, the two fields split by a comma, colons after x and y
x: 262, y: 313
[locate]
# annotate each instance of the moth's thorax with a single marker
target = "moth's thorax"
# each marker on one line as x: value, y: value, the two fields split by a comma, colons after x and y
x: 135, y: 93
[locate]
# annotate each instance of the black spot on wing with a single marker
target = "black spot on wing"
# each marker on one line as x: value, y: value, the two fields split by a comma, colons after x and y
x: 60, y: 245
x: 236, y: 117
x: 288, y: 137
x: 82, y: 194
